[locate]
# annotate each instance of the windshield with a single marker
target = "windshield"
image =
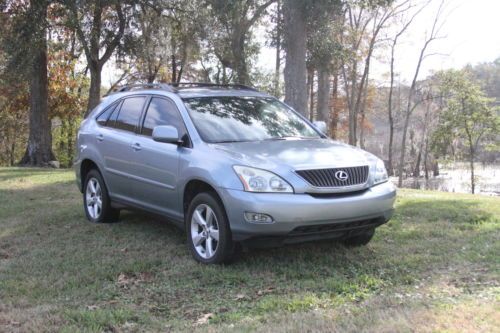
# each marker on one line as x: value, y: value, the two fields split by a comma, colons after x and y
x: 236, y: 119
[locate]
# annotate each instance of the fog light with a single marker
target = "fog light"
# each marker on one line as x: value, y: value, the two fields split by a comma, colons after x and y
x: 258, y: 218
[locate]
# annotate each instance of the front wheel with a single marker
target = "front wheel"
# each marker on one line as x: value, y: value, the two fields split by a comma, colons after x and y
x: 208, y: 233
x: 361, y: 239
x: 96, y: 201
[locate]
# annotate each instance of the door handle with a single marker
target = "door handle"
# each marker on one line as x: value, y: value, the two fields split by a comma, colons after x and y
x: 99, y: 137
x: 136, y: 146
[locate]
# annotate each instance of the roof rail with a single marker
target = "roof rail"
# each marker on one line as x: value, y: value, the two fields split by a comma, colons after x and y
x: 162, y: 86
x: 209, y: 84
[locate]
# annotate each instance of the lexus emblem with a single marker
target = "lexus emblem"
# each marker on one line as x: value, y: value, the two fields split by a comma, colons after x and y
x: 341, y: 175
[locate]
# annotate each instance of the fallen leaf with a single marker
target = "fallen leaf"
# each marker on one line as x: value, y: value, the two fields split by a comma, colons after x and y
x: 204, y: 319
x: 240, y: 297
x: 265, y: 291
x: 123, y: 280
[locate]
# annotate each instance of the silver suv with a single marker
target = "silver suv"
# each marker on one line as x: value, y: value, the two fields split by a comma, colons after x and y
x: 230, y: 165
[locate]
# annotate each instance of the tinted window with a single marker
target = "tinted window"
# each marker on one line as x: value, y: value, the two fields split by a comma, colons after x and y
x: 229, y: 119
x: 112, y: 119
x: 130, y: 113
x: 103, y: 117
x: 162, y: 112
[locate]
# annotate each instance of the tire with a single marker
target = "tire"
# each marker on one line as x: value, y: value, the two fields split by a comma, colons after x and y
x: 207, y: 228
x: 359, y: 240
x: 96, y: 201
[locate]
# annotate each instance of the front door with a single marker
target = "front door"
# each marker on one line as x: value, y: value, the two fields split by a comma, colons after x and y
x: 159, y: 162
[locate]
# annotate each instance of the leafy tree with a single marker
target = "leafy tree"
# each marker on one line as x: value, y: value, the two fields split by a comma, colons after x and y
x: 65, y: 103
x: 323, y: 46
x: 100, y: 27
x: 467, y: 116
x: 233, y: 21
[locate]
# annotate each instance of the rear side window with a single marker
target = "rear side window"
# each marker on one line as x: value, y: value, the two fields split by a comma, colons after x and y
x: 130, y: 113
x: 103, y: 117
x: 160, y: 112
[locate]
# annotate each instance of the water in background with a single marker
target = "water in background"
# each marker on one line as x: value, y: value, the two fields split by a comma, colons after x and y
x: 456, y: 178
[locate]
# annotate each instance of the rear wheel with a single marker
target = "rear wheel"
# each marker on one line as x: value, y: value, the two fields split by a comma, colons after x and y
x: 207, y: 228
x: 360, y: 240
x: 96, y: 201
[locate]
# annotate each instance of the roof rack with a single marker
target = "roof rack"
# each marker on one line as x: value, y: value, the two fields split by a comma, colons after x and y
x: 162, y: 86
x: 172, y: 87
x: 208, y: 84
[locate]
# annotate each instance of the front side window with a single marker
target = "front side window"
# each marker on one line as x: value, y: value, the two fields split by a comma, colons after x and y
x: 236, y: 119
x: 130, y: 113
x: 161, y: 112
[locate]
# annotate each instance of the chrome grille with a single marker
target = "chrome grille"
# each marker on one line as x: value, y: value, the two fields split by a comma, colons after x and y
x: 326, y: 177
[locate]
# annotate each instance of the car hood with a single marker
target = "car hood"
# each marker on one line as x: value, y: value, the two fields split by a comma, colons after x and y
x: 295, y: 153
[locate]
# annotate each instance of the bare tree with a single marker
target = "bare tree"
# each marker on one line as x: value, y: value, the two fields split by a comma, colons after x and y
x: 364, y: 24
x: 394, y: 43
x: 411, y: 103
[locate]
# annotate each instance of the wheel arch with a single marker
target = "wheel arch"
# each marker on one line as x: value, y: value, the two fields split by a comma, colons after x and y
x: 87, y: 165
x: 194, y: 187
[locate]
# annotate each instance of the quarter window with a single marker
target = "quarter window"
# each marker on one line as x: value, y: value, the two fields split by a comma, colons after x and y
x: 130, y: 113
x: 103, y: 117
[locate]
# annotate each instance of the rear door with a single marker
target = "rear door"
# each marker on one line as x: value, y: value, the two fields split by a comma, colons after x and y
x: 115, y: 140
x: 159, y: 162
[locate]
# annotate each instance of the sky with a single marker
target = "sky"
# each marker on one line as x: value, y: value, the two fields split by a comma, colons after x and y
x: 470, y: 31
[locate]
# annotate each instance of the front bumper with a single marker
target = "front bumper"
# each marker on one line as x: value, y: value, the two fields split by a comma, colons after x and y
x: 294, y: 213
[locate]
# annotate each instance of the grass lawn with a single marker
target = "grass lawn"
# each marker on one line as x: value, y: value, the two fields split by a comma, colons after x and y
x: 434, y: 267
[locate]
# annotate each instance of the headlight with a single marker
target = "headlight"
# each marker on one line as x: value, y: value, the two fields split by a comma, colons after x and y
x: 380, y: 175
x: 257, y: 180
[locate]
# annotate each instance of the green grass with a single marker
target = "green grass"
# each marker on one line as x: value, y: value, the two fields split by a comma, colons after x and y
x: 434, y: 267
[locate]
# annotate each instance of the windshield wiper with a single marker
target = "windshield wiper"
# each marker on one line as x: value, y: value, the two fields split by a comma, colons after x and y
x: 287, y: 138
x: 230, y: 141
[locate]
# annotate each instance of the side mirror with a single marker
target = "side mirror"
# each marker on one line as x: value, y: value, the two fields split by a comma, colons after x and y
x: 320, y: 126
x: 167, y: 134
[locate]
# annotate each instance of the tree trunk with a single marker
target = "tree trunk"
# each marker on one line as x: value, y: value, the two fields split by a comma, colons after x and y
x: 69, y: 148
x: 426, y: 158
x: 323, y: 106
x: 390, y: 169
x: 416, y: 170
x: 471, y: 158
x: 403, y: 150
x: 239, y: 58
x: 39, y: 149
x: 472, y: 180
x: 353, y: 116
x: 362, y: 130
x: 335, y: 109
x: 277, y: 64
x: 174, y: 68
x: 13, y: 152
x: 310, y: 84
x: 95, y: 86
x: 295, y: 47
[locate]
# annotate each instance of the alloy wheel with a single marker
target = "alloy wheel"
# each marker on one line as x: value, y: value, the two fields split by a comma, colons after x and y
x: 93, y: 198
x: 205, y: 231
